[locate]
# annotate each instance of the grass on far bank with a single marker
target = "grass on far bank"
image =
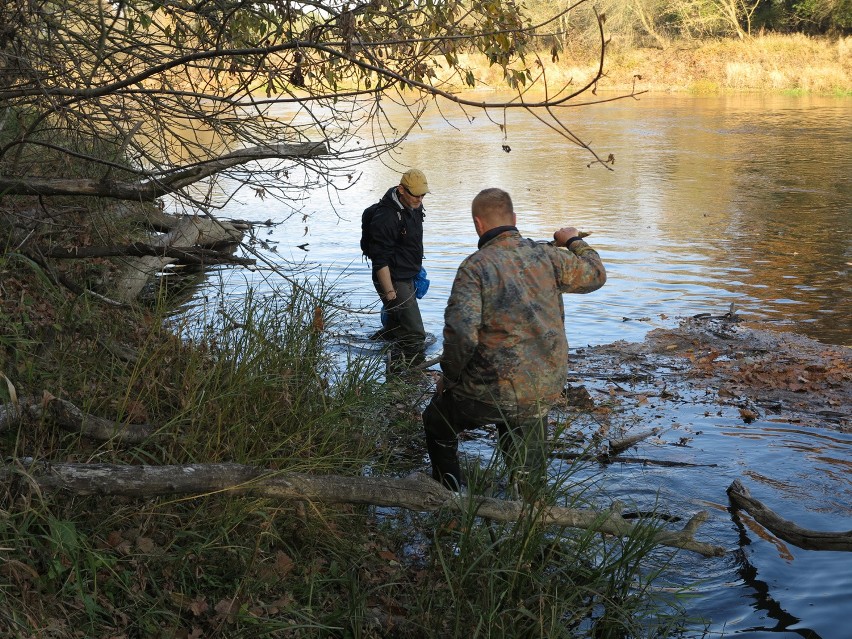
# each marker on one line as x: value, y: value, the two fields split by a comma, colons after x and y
x: 791, y: 64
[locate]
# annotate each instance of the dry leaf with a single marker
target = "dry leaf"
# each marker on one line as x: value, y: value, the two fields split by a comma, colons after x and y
x: 748, y: 415
x: 283, y: 564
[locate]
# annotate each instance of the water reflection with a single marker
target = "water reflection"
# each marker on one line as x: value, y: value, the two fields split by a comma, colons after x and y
x: 713, y: 200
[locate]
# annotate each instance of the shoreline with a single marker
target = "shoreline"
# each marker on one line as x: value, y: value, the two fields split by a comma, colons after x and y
x: 791, y: 64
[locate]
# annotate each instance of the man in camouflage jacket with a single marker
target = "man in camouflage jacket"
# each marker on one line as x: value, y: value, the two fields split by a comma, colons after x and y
x: 505, y: 350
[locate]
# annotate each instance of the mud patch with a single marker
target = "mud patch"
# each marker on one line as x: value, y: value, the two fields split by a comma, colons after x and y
x: 716, y: 362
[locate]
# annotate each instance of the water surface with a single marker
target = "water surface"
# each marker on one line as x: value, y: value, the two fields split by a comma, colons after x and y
x: 712, y: 201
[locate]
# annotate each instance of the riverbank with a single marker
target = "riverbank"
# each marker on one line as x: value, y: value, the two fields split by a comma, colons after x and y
x: 104, y: 388
x: 789, y: 64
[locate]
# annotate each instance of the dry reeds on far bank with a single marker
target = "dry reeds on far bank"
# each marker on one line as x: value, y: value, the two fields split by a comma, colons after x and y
x: 792, y: 63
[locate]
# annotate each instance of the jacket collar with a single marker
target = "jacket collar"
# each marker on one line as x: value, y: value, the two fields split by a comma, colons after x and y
x: 491, y: 234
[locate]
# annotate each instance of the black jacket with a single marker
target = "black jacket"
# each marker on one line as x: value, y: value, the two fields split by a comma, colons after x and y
x: 396, y: 237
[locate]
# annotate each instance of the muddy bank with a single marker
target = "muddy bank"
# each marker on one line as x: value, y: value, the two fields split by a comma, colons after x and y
x: 716, y: 361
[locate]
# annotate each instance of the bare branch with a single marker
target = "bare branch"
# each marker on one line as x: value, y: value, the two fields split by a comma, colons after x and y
x: 785, y: 529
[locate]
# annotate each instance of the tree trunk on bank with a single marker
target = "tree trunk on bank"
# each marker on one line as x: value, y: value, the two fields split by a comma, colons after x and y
x: 416, y: 492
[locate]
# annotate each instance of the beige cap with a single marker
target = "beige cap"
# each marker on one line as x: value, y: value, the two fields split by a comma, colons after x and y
x: 415, y: 182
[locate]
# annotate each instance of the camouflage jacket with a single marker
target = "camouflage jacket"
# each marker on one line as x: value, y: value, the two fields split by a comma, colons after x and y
x: 504, y: 332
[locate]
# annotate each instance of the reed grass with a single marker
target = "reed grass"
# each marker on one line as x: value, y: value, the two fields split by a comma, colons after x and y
x: 780, y: 63
x: 261, y: 382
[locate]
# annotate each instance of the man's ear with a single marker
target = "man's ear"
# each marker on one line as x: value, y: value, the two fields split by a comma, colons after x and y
x: 479, y: 225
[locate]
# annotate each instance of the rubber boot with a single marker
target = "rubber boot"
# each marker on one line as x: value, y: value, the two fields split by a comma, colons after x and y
x: 445, y: 463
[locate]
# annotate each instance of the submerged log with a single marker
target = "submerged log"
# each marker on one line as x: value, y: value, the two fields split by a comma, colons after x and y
x: 784, y: 529
x: 415, y: 492
x: 192, y: 231
x: 617, y: 446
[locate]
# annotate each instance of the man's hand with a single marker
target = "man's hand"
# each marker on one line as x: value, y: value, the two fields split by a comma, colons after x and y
x: 388, y: 292
x: 564, y: 234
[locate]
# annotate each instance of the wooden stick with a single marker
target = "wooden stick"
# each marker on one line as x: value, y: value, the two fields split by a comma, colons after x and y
x: 72, y: 419
x: 784, y: 529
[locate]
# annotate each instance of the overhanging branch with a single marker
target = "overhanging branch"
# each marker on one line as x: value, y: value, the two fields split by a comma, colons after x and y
x: 150, y: 189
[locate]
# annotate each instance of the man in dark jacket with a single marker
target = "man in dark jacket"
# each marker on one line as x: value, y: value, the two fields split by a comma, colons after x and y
x: 505, y: 351
x: 396, y: 250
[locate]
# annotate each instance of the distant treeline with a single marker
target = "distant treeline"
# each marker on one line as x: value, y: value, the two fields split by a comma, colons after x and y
x: 656, y: 22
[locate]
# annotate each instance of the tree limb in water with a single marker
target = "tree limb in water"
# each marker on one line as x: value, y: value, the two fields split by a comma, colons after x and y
x: 784, y: 529
x: 415, y: 492
x: 617, y: 446
x: 606, y: 458
x: 188, y: 254
x: 191, y: 232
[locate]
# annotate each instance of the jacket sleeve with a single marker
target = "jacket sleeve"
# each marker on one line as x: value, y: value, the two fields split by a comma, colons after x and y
x: 384, y: 232
x: 462, y: 323
x: 578, y: 269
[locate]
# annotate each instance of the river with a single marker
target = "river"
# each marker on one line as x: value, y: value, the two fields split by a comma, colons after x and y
x: 711, y: 201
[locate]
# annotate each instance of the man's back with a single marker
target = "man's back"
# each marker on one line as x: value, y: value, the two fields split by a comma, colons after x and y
x: 505, y: 318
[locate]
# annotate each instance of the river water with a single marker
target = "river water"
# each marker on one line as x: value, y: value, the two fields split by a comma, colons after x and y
x: 712, y: 201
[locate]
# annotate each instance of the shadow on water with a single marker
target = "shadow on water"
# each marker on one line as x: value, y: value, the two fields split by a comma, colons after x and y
x: 762, y: 600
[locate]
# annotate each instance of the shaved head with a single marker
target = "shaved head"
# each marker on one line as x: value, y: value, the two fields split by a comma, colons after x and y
x: 493, y: 208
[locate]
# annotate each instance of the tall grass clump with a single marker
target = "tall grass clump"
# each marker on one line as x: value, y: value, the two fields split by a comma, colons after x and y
x: 259, y: 386
x: 262, y: 385
x: 481, y: 578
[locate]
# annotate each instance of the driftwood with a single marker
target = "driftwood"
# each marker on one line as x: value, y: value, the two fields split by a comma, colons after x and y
x: 151, y: 189
x: 192, y: 231
x: 415, y: 492
x: 606, y: 458
x: 617, y: 446
x: 189, y: 254
x: 610, y: 454
x: 784, y: 529
x: 70, y: 418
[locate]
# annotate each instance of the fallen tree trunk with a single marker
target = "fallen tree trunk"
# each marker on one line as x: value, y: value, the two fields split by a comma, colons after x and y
x: 415, y: 492
x: 192, y: 231
x: 784, y: 529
